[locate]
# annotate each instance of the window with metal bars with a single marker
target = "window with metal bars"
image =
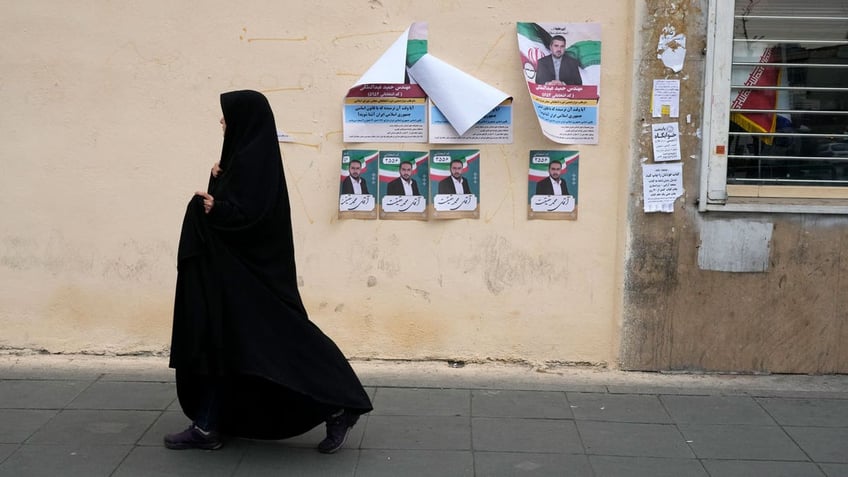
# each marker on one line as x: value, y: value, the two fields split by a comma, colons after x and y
x: 777, y: 80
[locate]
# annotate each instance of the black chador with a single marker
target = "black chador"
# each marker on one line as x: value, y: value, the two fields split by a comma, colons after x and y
x: 240, y: 328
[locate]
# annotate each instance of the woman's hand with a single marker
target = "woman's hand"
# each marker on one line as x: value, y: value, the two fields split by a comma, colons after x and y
x: 208, y: 201
x: 216, y: 169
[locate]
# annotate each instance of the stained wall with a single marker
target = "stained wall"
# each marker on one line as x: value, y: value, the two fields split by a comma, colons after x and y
x: 110, y: 123
x: 693, y: 301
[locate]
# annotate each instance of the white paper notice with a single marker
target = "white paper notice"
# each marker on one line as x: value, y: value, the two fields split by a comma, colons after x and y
x: 671, y: 49
x: 662, y: 184
x: 666, y: 138
x: 665, y: 100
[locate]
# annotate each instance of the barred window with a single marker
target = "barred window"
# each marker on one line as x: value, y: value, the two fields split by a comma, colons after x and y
x: 777, y: 90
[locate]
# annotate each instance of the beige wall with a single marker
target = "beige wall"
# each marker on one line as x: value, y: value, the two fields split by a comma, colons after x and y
x: 110, y: 123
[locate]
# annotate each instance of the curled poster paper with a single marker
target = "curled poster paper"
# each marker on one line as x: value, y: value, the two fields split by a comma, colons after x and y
x: 462, y: 98
x: 407, y: 75
x: 391, y: 67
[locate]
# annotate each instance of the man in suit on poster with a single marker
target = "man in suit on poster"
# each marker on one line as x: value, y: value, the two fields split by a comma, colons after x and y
x: 455, y: 183
x: 405, y: 184
x: 558, y: 67
x: 553, y: 184
x: 353, y: 183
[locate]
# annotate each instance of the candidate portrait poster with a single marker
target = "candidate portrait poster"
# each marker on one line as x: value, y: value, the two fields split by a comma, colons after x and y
x: 552, y: 185
x: 455, y: 183
x: 358, y: 187
x: 404, y: 185
x: 562, y: 68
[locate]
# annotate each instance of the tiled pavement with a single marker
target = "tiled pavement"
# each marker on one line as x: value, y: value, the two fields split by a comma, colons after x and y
x: 93, y: 416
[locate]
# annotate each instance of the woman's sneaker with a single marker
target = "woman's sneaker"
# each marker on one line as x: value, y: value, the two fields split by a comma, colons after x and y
x: 194, y: 438
x: 338, y: 427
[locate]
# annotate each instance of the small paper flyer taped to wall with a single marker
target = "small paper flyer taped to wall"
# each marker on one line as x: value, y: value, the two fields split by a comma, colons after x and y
x: 358, y: 184
x: 404, y: 185
x: 562, y: 68
x: 552, y: 185
x: 389, y: 103
x: 662, y: 185
x: 455, y: 183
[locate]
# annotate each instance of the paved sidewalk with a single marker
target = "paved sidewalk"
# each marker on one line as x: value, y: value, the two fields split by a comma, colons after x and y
x: 93, y: 416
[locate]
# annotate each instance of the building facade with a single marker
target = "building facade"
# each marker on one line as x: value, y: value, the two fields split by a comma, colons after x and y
x: 110, y: 124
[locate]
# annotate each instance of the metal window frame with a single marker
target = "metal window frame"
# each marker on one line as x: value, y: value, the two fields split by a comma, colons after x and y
x: 714, y: 193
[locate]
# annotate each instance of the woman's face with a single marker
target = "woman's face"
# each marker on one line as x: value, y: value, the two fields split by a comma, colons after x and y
x: 223, y: 125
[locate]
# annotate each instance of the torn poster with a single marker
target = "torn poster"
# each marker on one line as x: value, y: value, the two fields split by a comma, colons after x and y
x: 494, y: 128
x: 462, y: 100
x: 671, y: 48
x: 562, y: 68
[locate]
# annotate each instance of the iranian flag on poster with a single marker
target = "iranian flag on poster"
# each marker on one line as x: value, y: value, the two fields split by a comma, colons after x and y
x: 391, y: 160
x: 540, y: 162
x: 441, y: 161
x: 583, y: 42
x: 564, y: 86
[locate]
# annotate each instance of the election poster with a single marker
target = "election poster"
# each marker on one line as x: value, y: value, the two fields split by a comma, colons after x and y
x: 455, y: 183
x: 404, y: 185
x: 389, y: 102
x: 562, y: 68
x: 552, y: 185
x: 358, y: 184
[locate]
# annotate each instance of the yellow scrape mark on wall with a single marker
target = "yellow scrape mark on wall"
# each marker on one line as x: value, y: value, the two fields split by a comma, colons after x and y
x: 288, y: 88
x: 358, y: 35
x: 486, y: 56
x: 303, y: 38
x: 294, y: 183
x: 316, y: 146
x: 508, y: 193
x: 243, y: 37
